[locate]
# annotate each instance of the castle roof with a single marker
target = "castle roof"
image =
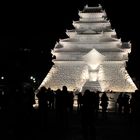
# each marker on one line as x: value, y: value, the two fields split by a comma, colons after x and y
x: 88, y: 9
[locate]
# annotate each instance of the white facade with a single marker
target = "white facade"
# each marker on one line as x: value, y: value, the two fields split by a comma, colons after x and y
x: 92, y: 57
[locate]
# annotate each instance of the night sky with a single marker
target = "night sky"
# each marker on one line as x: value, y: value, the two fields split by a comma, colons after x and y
x: 29, y: 31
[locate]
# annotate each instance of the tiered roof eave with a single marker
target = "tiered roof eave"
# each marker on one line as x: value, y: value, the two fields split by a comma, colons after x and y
x: 72, y: 33
x: 93, y: 9
x: 108, y: 32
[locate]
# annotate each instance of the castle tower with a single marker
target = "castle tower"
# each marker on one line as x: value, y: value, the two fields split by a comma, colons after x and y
x: 92, y: 57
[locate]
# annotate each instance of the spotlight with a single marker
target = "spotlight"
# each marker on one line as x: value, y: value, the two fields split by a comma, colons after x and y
x: 2, y: 77
x: 31, y: 77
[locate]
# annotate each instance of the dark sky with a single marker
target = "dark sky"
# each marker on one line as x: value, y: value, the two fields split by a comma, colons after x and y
x: 28, y: 31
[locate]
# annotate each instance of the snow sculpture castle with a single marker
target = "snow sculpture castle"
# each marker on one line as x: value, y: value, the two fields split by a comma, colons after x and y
x: 91, y: 58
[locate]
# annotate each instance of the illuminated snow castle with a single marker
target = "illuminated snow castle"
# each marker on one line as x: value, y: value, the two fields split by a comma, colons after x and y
x: 92, y: 57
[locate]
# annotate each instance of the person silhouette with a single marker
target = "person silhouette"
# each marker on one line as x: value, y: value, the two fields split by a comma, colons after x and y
x: 88, y: 115
x: 104, y: 103
x: 43, y: 106
x: 120, y: 103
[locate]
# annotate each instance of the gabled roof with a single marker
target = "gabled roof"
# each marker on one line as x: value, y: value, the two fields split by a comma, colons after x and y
x: 94, y: 57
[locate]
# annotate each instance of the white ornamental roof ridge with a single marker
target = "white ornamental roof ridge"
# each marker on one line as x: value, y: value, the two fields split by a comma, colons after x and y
x: 92, y: 9
x: 90, y: 12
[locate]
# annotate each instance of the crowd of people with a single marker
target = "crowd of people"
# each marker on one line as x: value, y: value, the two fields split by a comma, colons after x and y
x: 16, y: 107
